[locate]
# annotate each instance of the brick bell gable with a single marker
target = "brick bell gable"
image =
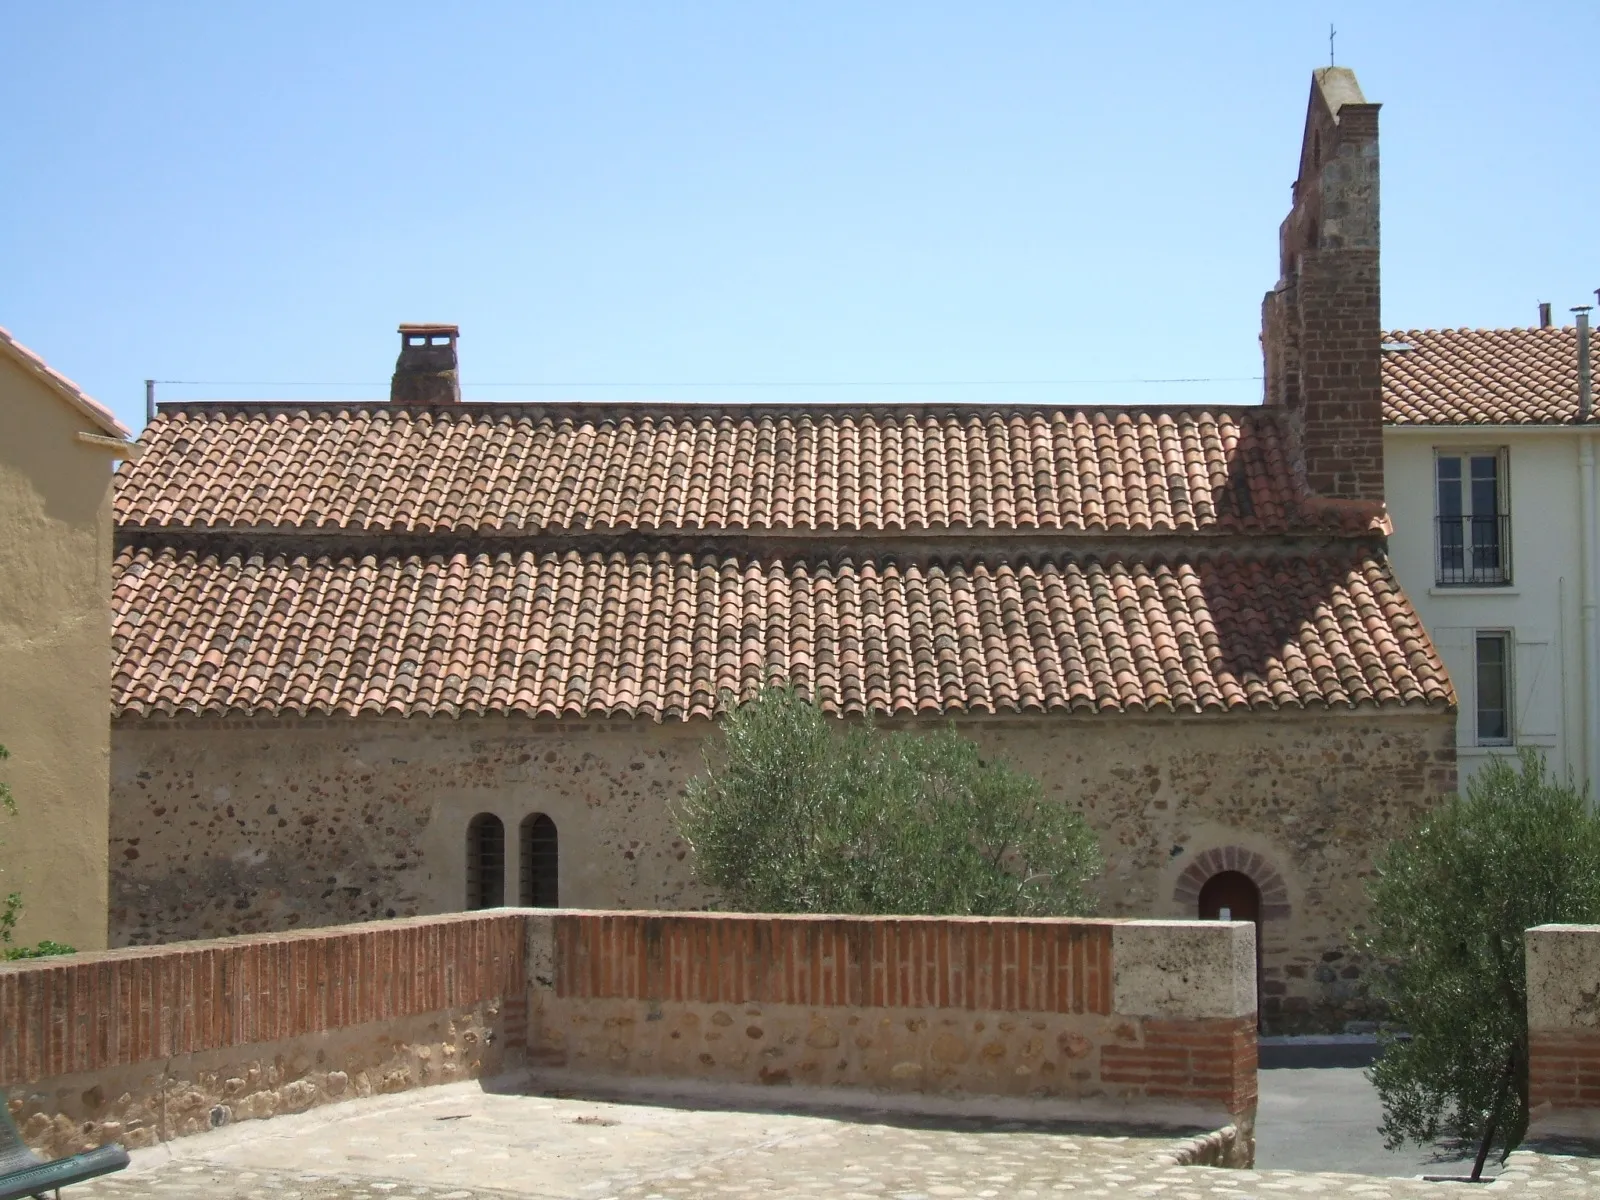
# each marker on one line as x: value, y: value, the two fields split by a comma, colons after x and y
x: 1321, y: 325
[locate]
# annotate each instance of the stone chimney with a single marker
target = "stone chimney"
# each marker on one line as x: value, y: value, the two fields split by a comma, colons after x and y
x: 425, y: 372
x: 1321, y: 333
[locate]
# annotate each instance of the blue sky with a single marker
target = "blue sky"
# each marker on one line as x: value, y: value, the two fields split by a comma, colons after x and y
x: 702, y: 197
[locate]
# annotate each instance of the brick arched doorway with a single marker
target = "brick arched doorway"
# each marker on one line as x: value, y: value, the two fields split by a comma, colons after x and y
x: 1246, y: 884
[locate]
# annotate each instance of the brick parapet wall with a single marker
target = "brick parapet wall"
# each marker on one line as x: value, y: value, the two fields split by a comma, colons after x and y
x: 142, y: 1045
x: 1129, y: 1020
x: 85, y: 1012
x: 1564, y: 1031
x: 1117, y: 1019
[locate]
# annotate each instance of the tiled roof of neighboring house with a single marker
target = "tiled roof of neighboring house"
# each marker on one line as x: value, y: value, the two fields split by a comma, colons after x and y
x: 92, y: 409
x: 540, y: 468
x: 1481, y: 377
x: 570, y: 633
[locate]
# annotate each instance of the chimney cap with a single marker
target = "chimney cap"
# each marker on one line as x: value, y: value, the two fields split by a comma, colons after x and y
x: 429, y: 327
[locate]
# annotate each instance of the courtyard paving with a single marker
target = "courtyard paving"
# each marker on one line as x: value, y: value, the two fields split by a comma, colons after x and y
x: 466, y: 1142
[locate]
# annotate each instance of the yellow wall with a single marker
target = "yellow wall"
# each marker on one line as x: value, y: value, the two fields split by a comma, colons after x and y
x: 55, y: 685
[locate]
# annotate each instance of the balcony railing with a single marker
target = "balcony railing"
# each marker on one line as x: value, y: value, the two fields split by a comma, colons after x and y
x: 1474, y: 551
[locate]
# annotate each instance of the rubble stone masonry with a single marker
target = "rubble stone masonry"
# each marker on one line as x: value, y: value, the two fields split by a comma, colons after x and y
x: 230, y: 827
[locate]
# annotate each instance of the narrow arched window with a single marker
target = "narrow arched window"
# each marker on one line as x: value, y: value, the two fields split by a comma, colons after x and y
x: 540, y: 859
x: 486, y: 862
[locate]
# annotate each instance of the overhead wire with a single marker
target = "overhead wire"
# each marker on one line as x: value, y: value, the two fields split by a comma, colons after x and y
x: 820, y: 383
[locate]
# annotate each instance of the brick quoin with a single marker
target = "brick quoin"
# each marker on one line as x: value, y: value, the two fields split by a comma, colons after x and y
x: 1189, y: 1060
x: 1564, y: 1068
x: 1321, y: 326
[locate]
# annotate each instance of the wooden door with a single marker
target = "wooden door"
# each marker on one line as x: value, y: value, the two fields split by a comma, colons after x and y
x: 1235, y: 893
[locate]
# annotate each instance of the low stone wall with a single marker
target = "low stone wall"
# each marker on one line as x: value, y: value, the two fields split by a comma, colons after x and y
x: 143, y: 1045
x: 1564, y: 1031
x: 1107, y: 1020
x: 1110, y: 1020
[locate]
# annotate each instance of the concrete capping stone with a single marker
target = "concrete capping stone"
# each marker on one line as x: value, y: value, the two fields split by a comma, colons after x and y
x: 1563, y: 973
x: 1184, y: 969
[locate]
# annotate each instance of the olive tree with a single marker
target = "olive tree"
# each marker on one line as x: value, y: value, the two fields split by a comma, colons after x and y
x: 798, y: 814
x: 1450, y: 904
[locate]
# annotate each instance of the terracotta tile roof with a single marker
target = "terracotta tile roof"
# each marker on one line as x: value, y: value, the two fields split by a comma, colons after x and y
x: 660, y: 635
x: 1481, y: 377
x: 534, y: 468
x: 97, y: 414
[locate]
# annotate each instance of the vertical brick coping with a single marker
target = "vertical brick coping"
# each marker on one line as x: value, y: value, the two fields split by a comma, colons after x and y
x: 1564, y: 1031
x: 118, y: 1008
x: 973, y: 964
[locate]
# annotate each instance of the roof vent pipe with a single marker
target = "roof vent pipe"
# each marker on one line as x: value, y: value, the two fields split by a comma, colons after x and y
x: 1585, y: 378
x: 1544, y: 314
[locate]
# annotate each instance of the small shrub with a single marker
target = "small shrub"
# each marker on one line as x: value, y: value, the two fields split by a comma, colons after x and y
x: 796, y: 815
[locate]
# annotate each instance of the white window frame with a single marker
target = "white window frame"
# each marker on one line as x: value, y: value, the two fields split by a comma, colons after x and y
x: 1508, y: 686
x: 1465, y: 454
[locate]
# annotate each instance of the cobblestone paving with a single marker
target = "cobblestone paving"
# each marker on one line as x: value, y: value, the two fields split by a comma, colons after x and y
x: 458, y: 1143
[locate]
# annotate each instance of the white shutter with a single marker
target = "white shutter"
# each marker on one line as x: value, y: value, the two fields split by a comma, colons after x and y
x: 1458, y: 648
x: 1537, y: 686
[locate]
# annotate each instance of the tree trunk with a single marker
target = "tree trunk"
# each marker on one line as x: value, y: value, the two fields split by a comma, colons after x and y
x: 1488, y: 1129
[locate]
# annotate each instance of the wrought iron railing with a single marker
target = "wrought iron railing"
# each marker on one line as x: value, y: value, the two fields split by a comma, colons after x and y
x: 1474, y: 551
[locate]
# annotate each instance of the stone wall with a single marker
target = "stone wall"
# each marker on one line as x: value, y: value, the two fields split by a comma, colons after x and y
x: 1564, y: 1031
x: 224, y: 827
x: 143, y: 1045
x: 1142, y: 1021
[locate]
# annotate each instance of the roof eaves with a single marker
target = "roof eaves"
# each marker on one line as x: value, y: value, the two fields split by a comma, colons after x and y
x: 1502, y: 427
x: 86, y: 405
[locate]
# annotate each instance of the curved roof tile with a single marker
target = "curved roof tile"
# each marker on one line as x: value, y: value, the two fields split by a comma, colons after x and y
x: 666, y: 635
x: 366, y: 468
x: 1481, y: 377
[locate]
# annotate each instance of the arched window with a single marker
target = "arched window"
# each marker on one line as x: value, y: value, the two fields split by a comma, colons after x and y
x: 486, y: 862
x: 540, y: 881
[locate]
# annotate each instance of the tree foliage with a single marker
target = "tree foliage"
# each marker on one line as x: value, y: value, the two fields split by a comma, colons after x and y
x: 11, y: 902
x: 795, y: 815
x: 1450, y: 905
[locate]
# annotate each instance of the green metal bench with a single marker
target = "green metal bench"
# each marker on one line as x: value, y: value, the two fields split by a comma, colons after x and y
x: 24, y: 1173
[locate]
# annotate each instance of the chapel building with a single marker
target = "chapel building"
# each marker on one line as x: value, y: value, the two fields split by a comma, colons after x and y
x: 391, y: 658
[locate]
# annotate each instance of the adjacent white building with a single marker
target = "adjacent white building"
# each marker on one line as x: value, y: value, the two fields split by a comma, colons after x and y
x: 1490, y: 473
